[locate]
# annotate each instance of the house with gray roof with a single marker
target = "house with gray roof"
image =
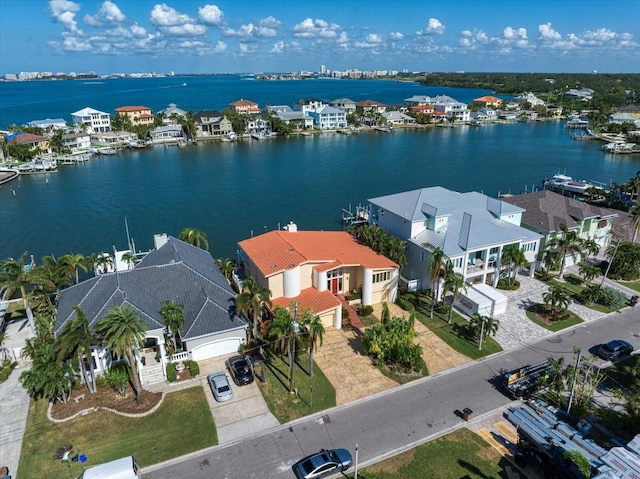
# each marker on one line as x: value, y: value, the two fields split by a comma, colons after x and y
x: 297, y: 119
x: 213, y: 124
x: 345, y: 104
x: 545, y: 211
x: 472, y: 229
x: 174, y: 271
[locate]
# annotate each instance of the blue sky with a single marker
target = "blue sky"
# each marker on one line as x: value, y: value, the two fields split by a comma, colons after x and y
x: 188, y: 36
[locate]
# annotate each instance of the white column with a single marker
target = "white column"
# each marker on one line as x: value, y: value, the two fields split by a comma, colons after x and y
x: 393, y: 292
x: 337, y: 321
x: 163, y: 357
x: 292, y: 282
x: 367, y: 286
x: 322, y: 281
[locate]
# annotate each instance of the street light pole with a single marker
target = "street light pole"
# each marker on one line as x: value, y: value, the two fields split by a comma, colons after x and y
x: 294, y: 330
x: 615, y: 250
x: 355, y: 473
x: 481, y: 333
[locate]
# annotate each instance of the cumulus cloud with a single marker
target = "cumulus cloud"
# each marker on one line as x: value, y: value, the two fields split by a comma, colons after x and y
x: 373, y: 40
x: 396, y: 36
x: 342, y: 39
x: 281, y: 47
x: 108, y: 13
x: 64, y: 11
x: 211, y: 15
x: 318, y: 28
x: 171, y: 22
x: 434, y: 27
x: 547, y: 33
x: 265, y: 28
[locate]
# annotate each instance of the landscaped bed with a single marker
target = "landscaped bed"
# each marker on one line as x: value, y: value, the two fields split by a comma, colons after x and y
x: 182, y: 424
x: 539, y: 315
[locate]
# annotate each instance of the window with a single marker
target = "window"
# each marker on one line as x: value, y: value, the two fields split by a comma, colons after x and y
x: 529, y: 247
x: 380, y: 277
x: 457, y: 263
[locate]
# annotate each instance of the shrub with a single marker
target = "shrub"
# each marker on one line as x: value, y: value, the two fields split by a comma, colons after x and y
x: 365, y: 310
x: 345, y: 314
x: 612, y: 298
x: 404, y: 303
x: 118, y: 377
x: 102, y: 381
x: 172, y: 374
x: 193, y: 367
x: 503, y: 283
x: 4, y: 374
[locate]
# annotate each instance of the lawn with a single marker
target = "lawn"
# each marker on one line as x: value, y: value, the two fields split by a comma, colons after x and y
x: 457, y: 334
x: 571, y: 320
x: 634, y: 285
x: 287, y: 407
x: 574, y: 286
x: 182, y: 424
x: 459, y: 454
x: 621, y: 374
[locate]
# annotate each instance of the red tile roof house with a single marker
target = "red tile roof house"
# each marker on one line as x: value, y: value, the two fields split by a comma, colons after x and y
x: 245, y: 106
x: 488, y: 101
x: 139, y: 115
x: 311, y: 268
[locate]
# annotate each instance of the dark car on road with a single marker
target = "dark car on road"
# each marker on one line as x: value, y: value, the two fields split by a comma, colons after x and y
x: 322, y: 464
x: 614, y: 350
x: 241, y: 370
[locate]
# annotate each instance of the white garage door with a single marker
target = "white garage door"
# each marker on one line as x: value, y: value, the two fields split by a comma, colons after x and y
x: 215, y: 349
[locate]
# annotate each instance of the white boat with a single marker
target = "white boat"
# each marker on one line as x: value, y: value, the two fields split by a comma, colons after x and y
x: 38, y: 165
x: 619, y: 147
x: 107, y: 150
x: 564, y: 183
x: 577, y: 124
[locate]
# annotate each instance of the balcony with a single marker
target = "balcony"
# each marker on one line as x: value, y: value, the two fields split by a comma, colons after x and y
x: 477, y: 266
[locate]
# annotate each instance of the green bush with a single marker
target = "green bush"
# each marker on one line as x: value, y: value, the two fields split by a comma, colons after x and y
x: 365, y: 310
x: 404, y: 303
x: 4, y: 374
x: 503, y: 283
x: 102, y: 381
x: 193, y: 367
x: 172, y: 375
x: 612, y: 298
x: 345, y: 313
x: 118, y: 377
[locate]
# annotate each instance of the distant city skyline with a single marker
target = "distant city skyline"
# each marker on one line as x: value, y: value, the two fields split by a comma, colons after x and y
x: 188, y: 36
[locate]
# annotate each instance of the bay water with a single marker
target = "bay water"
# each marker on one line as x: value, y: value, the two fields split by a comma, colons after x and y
x: 234, y: 190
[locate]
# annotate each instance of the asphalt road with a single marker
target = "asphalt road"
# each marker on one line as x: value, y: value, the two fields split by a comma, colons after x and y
x: 396, y: 419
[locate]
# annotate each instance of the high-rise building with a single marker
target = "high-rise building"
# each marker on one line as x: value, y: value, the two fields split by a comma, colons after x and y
x: 323, y: 69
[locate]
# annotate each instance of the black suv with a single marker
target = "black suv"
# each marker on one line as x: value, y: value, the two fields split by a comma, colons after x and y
x: 241, y: 370
x: 614, y: 349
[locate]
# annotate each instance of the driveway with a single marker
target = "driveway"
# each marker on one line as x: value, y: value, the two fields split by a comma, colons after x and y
x: 245, y: 414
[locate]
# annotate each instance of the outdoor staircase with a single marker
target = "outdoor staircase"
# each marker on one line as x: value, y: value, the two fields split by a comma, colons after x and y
x: 354, y: 319
x: 152, y: 375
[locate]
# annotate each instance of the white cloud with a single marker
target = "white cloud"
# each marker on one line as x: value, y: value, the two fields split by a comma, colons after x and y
x: 396, y: 36
x: 138, y: 31
x: 211, y: 15
x: 171, y: 22
x: 189, y: 29
x: 246, y: 48
x: 309, y: 28
x: 108, y: 13
x: 547, y: 33
x: 266, y: 28
x: 220, y: 47
x: 434, y: 26
x: 373, y: 40
x: 281, y: 47
x: 75, y: 44
x: 64, y: 11
x: 342, y: 39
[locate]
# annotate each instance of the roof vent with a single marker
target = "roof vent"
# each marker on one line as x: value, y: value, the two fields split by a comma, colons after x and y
x: 273, y: 266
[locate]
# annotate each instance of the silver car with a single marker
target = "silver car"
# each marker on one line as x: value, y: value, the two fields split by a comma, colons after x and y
x: 322, y: 464
x: 220, y: 386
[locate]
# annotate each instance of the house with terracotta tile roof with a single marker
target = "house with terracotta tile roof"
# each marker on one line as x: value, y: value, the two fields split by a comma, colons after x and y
x: 245, y: 106
x: 472, y: 229
x: 370, y: 106
x: 139, y: 115
x: 488, y: 101
x: 311, y: 268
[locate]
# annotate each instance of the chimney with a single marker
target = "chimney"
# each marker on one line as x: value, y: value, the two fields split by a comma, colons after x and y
x: 159, y: 240
x: 291, y: 227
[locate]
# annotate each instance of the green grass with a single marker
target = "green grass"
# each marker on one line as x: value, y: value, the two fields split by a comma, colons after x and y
x: 574, y: 286
x: 457, y: 334
x: 571, y: 320
x: 287, y: 407
x: 182, y: 424
x: 634, y: 285
x: 621, y: 374
x: 461, y: 454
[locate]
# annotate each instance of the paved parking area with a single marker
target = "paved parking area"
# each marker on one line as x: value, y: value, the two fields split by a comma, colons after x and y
x: 245, y: 414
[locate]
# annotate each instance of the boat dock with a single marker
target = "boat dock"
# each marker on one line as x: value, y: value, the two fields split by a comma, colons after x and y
x: 384, y: 129
x: 360, y: 216
x: 8, y: 175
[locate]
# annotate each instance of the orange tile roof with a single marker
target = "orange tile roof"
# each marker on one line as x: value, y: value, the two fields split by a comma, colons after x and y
x: 327, y: 266
x: 242, y: 102
x: 124, y: 109
x: 276, y: 251
x: 310, y: 298
x: 488, y: 99
x: 369, y: 103
x: 421, y: 107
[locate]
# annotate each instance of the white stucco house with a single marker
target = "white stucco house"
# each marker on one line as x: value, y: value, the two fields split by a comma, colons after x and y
x: 95, y: 121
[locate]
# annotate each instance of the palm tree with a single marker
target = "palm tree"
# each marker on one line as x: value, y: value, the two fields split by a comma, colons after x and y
x: 226, y: 266
x: 557, y: 300
x: 77, y: 339
x: 56, y: 142
x: 567, y: 244
x: 557, y: 377
x: 194, y: 237
x: 515, y: 258
x: 483, y: 326
x: 15, y: 276
x: 124, y: 331
x: 103, y: 262
x: 279, y: 331
x: 635, y: 211
x: 56, y: 272
x: 129, y: 258
x: 589, y: 272
x: 438, y: 265
x: 314, y: 326
x: 172, y: 319
x: 75, y: 261
x: 253, y: 301
x: 455, y: 283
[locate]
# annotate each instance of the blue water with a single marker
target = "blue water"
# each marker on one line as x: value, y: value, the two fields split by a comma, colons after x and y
x: 234, y: 190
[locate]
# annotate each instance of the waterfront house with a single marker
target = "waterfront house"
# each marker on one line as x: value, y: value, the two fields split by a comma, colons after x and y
x: 166, y: 134
x: 77, y: 142
x: 633, y: 110
x: 50, y: 124
x: 472, y: 229
x: 139, y: 115
x: 584, y: 94
x: 370, y: 106
x: 296, y: 119
x: 171, y: 114
x: 212, y: 124
x: 35, y: 142
x: 529, y: 98
x: 451, y: 108
x: 113, y: 139
x: 422, y: 109
x: 485, y: 114
x: 344, y: 104
x: 545, y: 211
x: 91, y: 121
x: 173, y: 271
x: 328, y: 118
x: 245, y: 106
x: 309, y: 104
x: 311, y: 268
x: 397, y: 118
x: 554, y: 111
x: 488, y: 101
x: 419, y: 100
x: 259, y: 123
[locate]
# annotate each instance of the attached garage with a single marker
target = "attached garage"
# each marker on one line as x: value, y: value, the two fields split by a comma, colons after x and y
x: 482, y: 299
x: 216, y: 348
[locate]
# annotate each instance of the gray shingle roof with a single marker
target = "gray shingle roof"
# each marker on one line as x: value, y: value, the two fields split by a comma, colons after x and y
x: 176, y: 271
x: 473, y: 218
x: 546, y: 210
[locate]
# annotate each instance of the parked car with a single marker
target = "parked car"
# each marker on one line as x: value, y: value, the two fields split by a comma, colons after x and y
x: 322, y: 464
x: 614, y: 350
x: 220, y: 386
x: 240, y: 369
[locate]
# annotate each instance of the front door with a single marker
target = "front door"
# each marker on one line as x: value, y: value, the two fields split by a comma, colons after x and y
x: 334, y: 281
